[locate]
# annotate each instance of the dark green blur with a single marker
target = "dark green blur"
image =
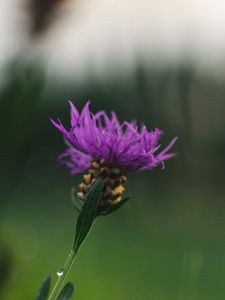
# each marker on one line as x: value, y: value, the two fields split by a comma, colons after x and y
x: 168, y: 242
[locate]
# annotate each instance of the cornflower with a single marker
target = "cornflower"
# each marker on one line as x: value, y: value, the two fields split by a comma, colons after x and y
x: 104, y: 148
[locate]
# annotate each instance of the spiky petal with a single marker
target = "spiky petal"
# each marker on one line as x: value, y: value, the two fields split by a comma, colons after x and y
x: 97, y: 136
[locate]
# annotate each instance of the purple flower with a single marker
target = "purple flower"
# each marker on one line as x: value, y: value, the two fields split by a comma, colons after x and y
x: 97, y: 136
x: 110, y: 150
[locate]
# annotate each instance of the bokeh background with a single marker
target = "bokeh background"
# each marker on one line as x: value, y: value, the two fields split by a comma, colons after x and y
x: 160, y: 62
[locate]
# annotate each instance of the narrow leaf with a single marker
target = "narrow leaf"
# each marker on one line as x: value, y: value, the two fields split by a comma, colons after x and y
x: 114, y: 207
x: 44, y: 289
x: 88, y: 213
x: 67, y: 292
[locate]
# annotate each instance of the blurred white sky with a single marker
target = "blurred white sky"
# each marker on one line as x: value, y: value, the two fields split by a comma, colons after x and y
x: 100, y: 35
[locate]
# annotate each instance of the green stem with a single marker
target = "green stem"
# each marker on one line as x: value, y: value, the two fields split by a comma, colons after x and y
x: 85, y: 221
x: 65, y: 272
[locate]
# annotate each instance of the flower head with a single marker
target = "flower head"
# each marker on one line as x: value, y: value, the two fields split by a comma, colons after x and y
x: 109, y: 149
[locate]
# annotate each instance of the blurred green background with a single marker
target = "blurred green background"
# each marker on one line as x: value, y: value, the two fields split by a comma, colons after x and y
x: 169, y: 241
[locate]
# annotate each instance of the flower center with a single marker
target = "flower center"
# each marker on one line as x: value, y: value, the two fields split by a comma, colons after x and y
x: 114, y: 180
